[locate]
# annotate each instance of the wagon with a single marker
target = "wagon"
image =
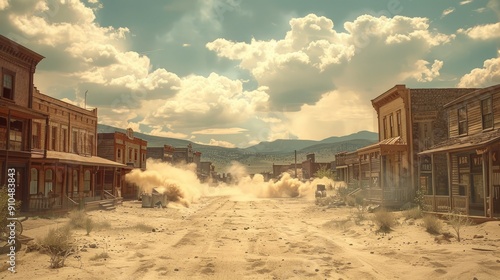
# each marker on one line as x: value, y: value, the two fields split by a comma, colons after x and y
x: 320, y: 190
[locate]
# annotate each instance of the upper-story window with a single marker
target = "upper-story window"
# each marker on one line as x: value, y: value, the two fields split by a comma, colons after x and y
x: 487, y: 113
x: 385, y: 128
x: 398, y: 122
x: 462, y: 120
x: 391, y: 125
x: 8, y: 86
x: 37, y: 128
x: 53, y: 139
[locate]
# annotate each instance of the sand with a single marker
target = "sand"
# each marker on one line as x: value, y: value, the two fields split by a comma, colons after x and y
x: 222, y: 237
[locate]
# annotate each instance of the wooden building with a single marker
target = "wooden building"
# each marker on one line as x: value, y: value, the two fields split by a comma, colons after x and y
x: 470, y: 183
x: 126, y: 149
x: 64, y: 174
x: 164, y: 154
x: 409, y: 120
x: 17, y: 68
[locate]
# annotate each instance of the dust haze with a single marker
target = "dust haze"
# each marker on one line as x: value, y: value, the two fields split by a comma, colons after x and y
x: 183, y: 187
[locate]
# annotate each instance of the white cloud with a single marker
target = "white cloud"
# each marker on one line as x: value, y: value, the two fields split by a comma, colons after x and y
x: 483, y: 32
x: 447, y: 12
x: 208, y: 102
x: 4, y: 4
x: 465, y: 2
x: 422, y: 73
x: 482, y: 77
x: 221, y: 131
x: 219, y: 143
x: 158, y: 131
x: 313, y: 58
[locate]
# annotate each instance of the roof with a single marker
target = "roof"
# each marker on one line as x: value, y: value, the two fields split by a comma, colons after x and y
x: 79, y: 159
x: 494, y: 88
x: 394, y: 144
x: 465, y: 142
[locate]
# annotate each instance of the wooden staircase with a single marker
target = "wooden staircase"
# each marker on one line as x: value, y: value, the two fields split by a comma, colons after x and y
x: 107, y: 205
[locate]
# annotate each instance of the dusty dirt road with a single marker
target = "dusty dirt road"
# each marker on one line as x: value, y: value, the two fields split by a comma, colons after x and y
x: 227, y: 238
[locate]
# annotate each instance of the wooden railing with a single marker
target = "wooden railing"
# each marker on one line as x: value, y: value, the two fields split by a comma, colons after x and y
x: 438, y: 203
x: 390, y: 196
x: 461, y: 204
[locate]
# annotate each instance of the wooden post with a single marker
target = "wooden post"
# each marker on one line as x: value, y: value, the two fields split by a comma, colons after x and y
x: 450, y: 186
x: 485, y: 181
x: 433, y: 182
x: 490, y: 181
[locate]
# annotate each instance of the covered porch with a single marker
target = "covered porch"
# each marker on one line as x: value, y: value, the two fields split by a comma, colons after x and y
x: 471, y: 179
x: 65, y: 180
x: 384, y: 171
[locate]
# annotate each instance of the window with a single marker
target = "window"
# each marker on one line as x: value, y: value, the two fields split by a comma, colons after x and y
x: 74, y: 140
x: 119, y: 153
x: 398, y: 122
x: 462, y: 121
x: 86, y: 181
x: 3, y: 133
x: 487, y: 113
x: 34, y: 181
x: 53, y: 140
x: 36, y: 135
x: 8, y: 86
x: 391, y: 125
x: 90, y: 143
x: 15, y: 137
x: 135, y: 154
x: 385, y: 128
x: 49, y: 178
x: 129, y: 155
x: 64, y: 139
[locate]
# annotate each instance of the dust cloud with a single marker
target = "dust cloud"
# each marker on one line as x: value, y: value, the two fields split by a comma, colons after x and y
x: 182, y: 186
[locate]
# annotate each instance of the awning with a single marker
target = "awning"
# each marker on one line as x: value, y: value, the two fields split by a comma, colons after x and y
x: 385, y: 146
x: 465, y: 143
x: 70, y: 158
x: 17, y: 111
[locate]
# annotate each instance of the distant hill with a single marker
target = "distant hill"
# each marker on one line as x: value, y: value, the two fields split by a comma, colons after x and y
x: 261, y: 157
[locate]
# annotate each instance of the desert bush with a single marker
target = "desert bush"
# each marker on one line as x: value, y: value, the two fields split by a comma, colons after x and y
x: 458, y: 221
x: 432, y: 224
x: 77, y: 219
x: 89, y: 225
x: 412, y: 213
x: 342, y: 192
x: 384, y: 219
x: 58, y: 244
x: 419, y: 199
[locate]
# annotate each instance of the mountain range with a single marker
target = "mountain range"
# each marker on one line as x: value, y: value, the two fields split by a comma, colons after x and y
x: 261, y: 157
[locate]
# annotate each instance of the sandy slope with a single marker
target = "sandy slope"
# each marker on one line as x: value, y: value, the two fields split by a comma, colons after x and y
x: 289, y: 238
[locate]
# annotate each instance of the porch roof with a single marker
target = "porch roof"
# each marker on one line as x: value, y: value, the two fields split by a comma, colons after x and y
x: 78, y: 159
x: 465, y: 143
x: 386, y: 146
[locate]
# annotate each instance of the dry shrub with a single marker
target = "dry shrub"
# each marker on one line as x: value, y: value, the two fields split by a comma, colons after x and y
x: 412, y: 213
x: 457, y: 220
x: 77, y: 219
x: 432, y: 224
x: 58, y: 244
x: 89, y: 225
x: 384, y: 219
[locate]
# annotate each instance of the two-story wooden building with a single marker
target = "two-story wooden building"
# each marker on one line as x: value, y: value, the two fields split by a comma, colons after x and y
x: 17, y: 68
x: 470, y: 183
x: 409, y: 120
x: 126, y: 149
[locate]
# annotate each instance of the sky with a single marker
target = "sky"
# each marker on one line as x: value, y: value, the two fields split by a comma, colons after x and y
x: 234, y: 73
